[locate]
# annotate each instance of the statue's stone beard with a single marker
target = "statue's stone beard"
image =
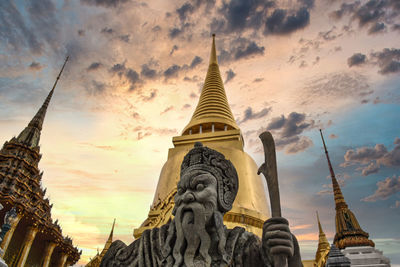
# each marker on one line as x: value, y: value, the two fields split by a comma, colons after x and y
x: 197, y: 227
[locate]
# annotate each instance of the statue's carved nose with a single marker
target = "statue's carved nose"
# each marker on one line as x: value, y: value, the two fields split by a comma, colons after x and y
x: 189, y: 197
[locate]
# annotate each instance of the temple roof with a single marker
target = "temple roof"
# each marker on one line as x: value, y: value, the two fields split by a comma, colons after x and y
x: 30, y: 136
x: 213, y: 106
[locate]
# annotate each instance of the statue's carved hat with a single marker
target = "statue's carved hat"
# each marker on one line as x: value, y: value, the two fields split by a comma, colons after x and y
x: 207, y: 159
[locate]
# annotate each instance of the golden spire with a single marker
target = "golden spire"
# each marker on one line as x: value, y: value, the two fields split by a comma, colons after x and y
x: 30, y: 136
x: 213, y: 54
x: 213, y: 107
x: 339, y: 199
x: 322, y: 236
x: 348, y: 231
x: 108, y: 242
x: 323, y: 247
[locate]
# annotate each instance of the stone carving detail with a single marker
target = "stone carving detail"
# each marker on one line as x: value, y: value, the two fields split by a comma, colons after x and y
x: 196, y: 236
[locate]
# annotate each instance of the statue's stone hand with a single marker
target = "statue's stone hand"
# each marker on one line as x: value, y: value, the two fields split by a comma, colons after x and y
x: 277, y: 239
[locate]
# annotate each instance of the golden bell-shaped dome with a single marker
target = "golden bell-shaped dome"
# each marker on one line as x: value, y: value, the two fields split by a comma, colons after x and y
x: 212, y: 124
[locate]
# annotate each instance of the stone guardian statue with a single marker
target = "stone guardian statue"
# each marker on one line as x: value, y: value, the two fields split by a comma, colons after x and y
x: 196, y: 236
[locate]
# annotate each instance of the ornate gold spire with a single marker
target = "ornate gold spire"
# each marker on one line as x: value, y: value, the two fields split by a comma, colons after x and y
x: 323, y: 247
x: 109, y: 241
x: 30, y: 136
x: 95, y: 262
x: 213, y: 107
x: 348, y: 231
x: 339, y: 199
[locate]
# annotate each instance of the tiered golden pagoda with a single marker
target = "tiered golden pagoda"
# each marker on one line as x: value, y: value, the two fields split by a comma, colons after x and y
x: 95, y: 262
x: 34, y: 238
x: 323, y: 247
x: 348, y: 231
x: 214, y: 125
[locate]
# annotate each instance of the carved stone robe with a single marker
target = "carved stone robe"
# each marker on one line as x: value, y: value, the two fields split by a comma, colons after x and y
x: 243, y: 249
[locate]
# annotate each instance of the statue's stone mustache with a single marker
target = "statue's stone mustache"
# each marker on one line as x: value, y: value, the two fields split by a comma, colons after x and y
x: 196, y: 236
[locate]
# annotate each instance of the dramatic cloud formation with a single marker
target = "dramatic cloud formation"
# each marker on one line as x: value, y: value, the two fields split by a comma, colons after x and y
x: 280, y: 22
x: 377, y: 28
x: 94, y: 66
x: 386, y: 188
x: 190, y: 7
x: 292, y: 125
x: 240, y: 15
x: 196, y: 61
x: 118, y: 69
x: 133, y: 78
x: 288, y: 130
x: 373, y: 13
x: 147, y: 72
x: 370, y: 169
x: 35, y: 66
x: 356, y: 59
x: 241, y: 48
x: 248, y: 50
x: 364, y: 155
x: 373, y: 157
x: 229, y: 75
x: 388, y: 60
x: 250, y: 115
x: 172, y: 71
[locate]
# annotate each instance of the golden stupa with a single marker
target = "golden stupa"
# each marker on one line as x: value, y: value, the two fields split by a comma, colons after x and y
x: 323, y: 247
x: 214, y: 125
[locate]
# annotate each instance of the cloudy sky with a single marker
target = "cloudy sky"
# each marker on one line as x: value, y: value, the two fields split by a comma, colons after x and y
x: 133, y: 81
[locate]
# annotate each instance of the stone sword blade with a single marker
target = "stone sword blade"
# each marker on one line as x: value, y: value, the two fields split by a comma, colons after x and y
x: 269, y: 170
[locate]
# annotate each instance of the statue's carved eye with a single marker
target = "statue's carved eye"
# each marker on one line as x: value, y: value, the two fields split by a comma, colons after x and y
x: 180, y: 191
x: 199, y: 187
